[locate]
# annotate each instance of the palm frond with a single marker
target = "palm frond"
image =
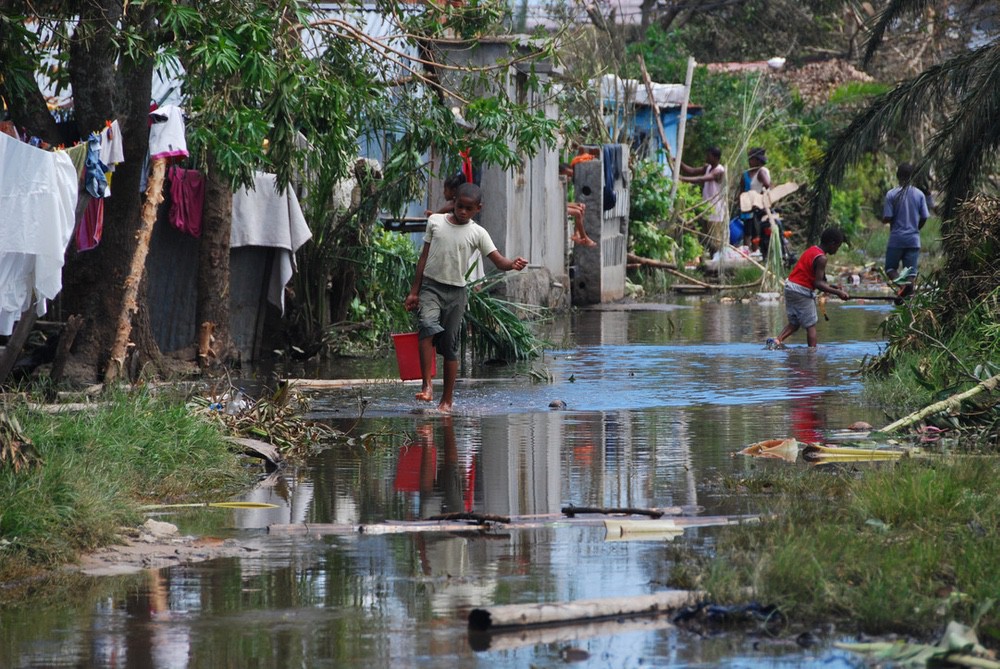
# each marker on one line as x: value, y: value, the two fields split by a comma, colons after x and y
x: 891, y: 13
x: 972, y: 73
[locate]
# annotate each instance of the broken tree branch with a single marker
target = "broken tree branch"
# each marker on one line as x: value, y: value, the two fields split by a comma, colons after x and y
x: 154, y: 196
x: 952, y: 402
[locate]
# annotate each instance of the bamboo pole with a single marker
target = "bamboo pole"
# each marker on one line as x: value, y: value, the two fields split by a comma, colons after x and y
x: 989, y: 384
x: 682, y: 124
x: 154, y: 196
x: 584, y: 610
x: 655, y: 106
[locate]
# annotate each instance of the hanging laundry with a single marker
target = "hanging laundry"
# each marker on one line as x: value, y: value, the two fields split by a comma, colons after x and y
x: 7, y: 127
x: 112, y: 146
x: 95, y: 181
x: 91, y: 226
x: 187, y: 194
x: 166, y: 135
x: 38, y: 193
x: 265, y: 217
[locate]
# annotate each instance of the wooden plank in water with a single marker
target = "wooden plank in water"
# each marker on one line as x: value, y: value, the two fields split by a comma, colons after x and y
x: 517, y: 523
x: 515, y: 616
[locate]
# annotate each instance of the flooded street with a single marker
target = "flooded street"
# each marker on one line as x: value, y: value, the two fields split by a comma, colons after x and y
x: 656, y: 402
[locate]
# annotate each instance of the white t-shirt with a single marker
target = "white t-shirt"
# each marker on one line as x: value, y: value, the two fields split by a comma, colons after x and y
x: 711, y: 192
x: 451, y: 247
x: 757, y: 182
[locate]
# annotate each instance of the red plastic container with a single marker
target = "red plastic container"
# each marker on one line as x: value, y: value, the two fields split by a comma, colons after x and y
x: 408, y: 356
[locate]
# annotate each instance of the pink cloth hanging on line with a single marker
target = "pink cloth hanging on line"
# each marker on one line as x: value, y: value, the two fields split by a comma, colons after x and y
x: 187, y: 194
x: 91, y: 226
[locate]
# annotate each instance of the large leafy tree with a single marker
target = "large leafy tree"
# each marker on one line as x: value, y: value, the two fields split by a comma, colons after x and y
x: 268, y: 84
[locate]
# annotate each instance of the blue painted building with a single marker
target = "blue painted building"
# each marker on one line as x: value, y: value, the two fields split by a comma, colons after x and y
x: 630, y: 118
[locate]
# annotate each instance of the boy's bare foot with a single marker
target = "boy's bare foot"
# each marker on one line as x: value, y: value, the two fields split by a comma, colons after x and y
x: 444, y: 408
x: 425, y: 395
x: 584, y: 241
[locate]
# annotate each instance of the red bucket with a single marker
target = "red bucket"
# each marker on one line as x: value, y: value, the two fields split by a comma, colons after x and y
x: 408, y: 356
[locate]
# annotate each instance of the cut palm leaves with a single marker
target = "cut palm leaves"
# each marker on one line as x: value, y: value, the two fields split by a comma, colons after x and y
x: 497, y: 329
x: 16, y: 450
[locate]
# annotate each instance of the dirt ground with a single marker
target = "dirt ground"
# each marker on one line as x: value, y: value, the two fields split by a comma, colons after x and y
x: 156, y: 544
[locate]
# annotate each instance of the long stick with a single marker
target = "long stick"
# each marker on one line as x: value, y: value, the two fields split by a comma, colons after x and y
x: 154, y: 196
x: 949, y: 403
x: 682, y: 124
x: 655, y: 106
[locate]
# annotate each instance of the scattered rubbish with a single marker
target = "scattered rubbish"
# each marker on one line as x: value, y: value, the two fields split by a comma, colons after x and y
x: 725, y: 614
x: 958, y: 646
x: 783, y: 449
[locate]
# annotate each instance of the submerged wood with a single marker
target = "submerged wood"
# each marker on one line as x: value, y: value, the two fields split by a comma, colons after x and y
x: 562, y: 613
x: 480, y: 518
x: 517, y: 523
x: 520, y: 637
x: 629, y: 511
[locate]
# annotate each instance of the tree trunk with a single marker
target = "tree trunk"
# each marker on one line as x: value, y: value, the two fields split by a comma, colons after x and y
x: 213, y: 263
x: 94, y: 282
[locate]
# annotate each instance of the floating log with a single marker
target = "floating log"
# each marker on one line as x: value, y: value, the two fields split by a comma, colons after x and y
x: 628, y: 511
x: 563, y: 613
x: 661, y: 529
x: 478, y: 518
x: 534, y: 636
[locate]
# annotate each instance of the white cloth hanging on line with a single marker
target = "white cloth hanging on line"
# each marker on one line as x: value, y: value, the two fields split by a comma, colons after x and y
x: 38, y: 193
x: 265, y: 217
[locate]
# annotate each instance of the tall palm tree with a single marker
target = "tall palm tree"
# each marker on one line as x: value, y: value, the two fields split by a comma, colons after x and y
x: 966, y: 87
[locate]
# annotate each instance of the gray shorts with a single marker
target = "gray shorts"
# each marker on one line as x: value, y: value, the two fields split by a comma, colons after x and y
x: 442, y: 311
x: 801, y: 309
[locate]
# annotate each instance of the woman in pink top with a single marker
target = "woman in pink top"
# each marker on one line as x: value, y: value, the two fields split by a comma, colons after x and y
x: 712, y: 177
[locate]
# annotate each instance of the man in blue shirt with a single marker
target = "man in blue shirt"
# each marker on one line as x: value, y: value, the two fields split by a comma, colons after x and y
x: 905, y: 210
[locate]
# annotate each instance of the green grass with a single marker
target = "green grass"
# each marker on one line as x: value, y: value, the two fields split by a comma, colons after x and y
x: 902, y: 548
x: 98, y: 467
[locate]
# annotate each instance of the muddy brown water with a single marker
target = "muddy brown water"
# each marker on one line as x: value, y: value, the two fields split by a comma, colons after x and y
x: 657, y: 401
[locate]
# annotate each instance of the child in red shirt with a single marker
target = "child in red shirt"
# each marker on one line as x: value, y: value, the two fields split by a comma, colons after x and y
x: 809, y: 274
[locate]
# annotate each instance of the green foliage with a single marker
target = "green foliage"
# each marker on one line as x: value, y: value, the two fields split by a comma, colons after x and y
x: 893, y: 549
x: 649, y: 193
x: 854, y: 92
x: 100, y: 465
x: 385, y: 276
x: 497, y: 329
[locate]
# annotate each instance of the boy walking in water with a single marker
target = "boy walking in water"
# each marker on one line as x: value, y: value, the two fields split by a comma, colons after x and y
x: 809, y: 274
x: 439, y: 291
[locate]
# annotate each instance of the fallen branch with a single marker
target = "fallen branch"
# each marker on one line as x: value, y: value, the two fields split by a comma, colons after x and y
x: 481, y: 518
x: 952, y: 402
x: 571, y: 511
